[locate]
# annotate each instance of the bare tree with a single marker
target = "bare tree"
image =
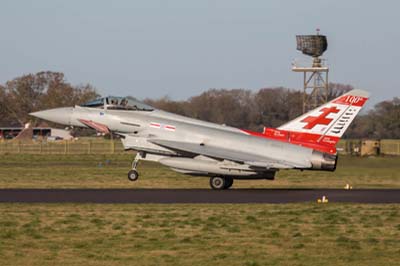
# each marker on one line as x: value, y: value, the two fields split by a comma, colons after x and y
x: 337, y: 89
x: 42, y: 90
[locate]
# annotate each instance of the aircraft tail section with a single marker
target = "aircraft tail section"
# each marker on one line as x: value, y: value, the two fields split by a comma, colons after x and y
x: 331, y: 119
x: 321, y: 128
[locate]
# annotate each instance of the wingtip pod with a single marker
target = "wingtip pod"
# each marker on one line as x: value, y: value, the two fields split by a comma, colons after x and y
x: 354, y: 97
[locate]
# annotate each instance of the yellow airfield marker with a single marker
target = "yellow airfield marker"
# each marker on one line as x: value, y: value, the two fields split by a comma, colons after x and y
x: 347, y: 187
x: 323, y: 200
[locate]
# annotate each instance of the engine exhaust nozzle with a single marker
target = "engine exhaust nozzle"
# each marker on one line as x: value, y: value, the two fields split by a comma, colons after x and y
x: 323, y: 161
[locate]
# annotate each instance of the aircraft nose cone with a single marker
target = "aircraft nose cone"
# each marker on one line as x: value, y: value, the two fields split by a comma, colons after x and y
x: 56, y: 115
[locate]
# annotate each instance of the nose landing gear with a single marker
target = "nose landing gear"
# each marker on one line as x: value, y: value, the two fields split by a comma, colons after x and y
x: 133, y: 174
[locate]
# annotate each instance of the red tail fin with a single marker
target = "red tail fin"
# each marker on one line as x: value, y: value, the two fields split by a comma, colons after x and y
x: 321, y: 128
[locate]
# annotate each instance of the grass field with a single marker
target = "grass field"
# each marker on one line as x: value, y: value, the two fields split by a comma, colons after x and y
x: 294, y: 234
x: 110, y: 171
x: 184, y: 234
x: 249, y: 235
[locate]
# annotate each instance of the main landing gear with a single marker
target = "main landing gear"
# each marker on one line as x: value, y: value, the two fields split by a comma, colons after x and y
x: 133, y: 174
x: 221, y: 182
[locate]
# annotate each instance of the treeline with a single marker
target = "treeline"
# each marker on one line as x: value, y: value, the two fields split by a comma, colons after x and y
x: 241, y: 108
x: 272, y: 107
x: 34, y: 92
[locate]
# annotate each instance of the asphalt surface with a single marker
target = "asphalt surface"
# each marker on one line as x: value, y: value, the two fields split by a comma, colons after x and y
x: 198, y: 195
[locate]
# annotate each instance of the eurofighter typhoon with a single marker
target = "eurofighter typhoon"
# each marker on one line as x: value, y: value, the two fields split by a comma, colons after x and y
x: 223, y: 153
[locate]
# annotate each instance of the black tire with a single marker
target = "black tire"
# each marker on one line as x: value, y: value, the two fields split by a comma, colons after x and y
x: 217, y: 182
x: 133, y: 175
x: 228, y: 182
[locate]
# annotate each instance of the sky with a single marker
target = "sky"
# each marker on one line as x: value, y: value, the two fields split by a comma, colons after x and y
x: 151, y: 49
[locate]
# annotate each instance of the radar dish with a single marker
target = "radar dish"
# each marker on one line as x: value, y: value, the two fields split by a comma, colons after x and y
x: 312, y: 45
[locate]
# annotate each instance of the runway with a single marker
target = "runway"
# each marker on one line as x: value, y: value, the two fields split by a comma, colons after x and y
x: 197, y: 195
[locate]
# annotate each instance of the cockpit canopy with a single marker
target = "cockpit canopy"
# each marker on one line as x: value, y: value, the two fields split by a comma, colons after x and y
x: 118, y: 103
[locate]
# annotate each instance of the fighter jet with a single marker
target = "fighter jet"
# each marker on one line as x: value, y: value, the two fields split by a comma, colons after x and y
x: 223, y: 153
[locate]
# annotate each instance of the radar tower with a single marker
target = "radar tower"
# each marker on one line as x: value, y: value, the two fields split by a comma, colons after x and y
x: 315, y: 77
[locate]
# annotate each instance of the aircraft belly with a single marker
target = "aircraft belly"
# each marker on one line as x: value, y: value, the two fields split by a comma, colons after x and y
x: 204, y: 167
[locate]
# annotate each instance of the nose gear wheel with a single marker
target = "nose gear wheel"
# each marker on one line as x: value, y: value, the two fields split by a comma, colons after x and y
x: 133, y: 174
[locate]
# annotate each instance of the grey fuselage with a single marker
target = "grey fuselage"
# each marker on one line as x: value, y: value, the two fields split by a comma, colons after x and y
x: 142, y: 129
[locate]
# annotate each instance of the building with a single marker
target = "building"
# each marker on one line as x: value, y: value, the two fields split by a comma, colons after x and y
x: 34, y: 133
